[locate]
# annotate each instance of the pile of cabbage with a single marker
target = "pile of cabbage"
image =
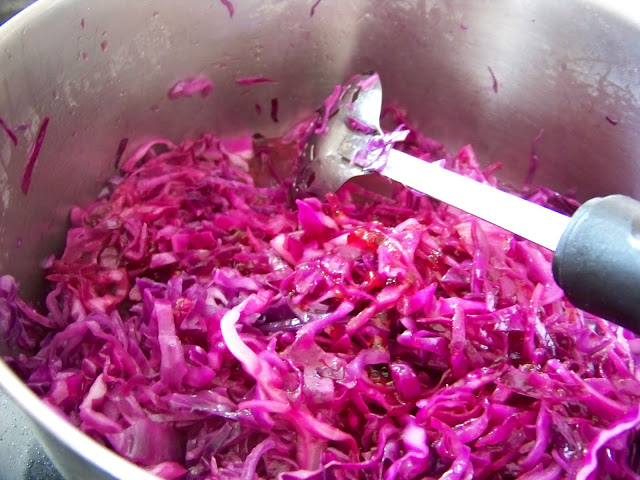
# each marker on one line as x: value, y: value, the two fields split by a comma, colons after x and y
x: 206, y: 326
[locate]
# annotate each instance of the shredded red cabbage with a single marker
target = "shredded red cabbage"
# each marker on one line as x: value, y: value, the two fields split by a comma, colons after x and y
x: 191, y: 86
x: 611, y: 120
x: 359, y: 126
x: 494, y: 80
x: 33, y: 156
x: 122, y: 146
x: 9, y: 132
x: 329, y: 106
x: 203, y: 327
x: 374, y: 156
x: 254, y: 80
x: 229, y: 5
x: 534, y: 160
x: 274, y: 109
x: 368, y: 81
x: 313, y: 8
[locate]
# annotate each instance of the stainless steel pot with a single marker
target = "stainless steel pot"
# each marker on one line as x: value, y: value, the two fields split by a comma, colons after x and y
x: 101, y: 71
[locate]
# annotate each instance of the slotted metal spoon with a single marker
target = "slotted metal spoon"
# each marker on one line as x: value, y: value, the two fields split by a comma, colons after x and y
x: 597, y: 250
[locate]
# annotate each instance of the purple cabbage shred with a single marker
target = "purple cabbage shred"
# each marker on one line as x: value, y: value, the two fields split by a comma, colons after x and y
x: 374, y: 156
x: 122, y: 146
x: 33, y: 156
x: 534, y: 161
x: 359, y: 126
x: 274, y: 110
x: 611, y: 120
x: 313, y: 8
x: 368, y: 81
x: 254, y: 80
x: 190, y: 87
x: 229, y: 5
x: 494, y: 80
x: 12, y: 136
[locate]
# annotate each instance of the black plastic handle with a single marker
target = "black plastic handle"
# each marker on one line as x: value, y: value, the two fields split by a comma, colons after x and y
x: 597, y: 262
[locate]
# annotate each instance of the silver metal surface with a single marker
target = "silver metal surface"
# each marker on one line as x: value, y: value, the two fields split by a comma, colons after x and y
x: 323, y: 167
x: 530, y: 221
x: 569, y: 68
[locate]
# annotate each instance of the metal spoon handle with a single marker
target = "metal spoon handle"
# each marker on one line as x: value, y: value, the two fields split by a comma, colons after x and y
x: 531, y: 221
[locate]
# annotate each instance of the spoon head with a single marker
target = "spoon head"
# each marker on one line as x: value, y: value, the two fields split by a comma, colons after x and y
x: 354, y: 118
